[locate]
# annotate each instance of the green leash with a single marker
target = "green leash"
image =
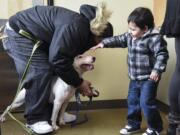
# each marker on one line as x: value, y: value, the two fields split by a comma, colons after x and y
x: 37, y: 44
x: 1, y: 32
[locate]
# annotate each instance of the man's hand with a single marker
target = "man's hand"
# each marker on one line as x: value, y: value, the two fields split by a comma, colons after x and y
x: 85, y: 89
x: 100, y: 45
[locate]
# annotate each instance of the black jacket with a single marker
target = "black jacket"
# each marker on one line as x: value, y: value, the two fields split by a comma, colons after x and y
x: 171, y: 24
x: 64, y: 33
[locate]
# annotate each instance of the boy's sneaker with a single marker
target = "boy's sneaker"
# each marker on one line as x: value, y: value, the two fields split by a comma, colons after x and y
x: 127, y: 130
x: 151, y: 132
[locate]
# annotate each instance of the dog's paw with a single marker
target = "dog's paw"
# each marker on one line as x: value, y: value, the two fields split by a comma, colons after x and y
x: 55, y: 127
x: 2, y: 119
x: 62, y: 122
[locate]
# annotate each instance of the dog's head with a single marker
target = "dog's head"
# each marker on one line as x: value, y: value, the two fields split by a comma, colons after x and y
x: 83, y: 63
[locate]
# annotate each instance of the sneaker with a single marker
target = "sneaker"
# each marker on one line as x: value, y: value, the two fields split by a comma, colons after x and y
x: 41, y: 127
x: 151, y: 132
x: 127, y: 130
x: 69, y: 117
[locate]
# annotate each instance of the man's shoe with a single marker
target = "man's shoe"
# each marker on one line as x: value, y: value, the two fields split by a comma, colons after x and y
x: 127, y: 130
x: 41, y: 127
x: 151, y: 132
x: 69, y: 117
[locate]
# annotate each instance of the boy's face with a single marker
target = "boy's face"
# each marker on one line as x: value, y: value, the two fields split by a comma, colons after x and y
x: 135, y: 31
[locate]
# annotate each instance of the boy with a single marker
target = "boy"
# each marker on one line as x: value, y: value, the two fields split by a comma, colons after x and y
x: 147, y: 59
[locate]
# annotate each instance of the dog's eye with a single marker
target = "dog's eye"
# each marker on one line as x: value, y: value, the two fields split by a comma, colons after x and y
x: 80, y: 56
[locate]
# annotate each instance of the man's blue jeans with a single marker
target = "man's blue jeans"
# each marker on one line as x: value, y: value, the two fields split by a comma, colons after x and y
x: 142, y: 96
x: 38, y: 79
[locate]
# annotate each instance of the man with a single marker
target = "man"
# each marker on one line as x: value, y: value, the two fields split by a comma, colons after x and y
x: 63, y: 34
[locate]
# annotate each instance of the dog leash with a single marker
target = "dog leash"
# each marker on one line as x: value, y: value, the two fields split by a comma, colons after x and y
x: 2, y: 36
x: 78, y: 100
x: 79, y: 105
x: 36, y: 45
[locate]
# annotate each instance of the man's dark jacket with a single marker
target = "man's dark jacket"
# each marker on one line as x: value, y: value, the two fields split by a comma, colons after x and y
x: 64, y: 34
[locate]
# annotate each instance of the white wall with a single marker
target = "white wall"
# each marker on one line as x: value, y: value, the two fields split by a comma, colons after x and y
x: 10, y: 7
x: 164, y: 83
x: 110, y: 74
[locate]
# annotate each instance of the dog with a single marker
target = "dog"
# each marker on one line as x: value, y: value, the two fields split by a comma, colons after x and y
x: 61, y: 92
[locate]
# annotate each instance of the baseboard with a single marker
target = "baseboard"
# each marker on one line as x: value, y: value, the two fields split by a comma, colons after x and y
x: 112, y: 104
x: 100, y: 104
x: 103, y: 104
x: 163, y: 107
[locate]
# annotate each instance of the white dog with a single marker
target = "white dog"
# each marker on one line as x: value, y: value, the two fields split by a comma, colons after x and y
x: 61, y: 92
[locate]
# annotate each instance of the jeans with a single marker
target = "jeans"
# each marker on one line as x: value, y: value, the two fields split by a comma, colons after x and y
x: 38, y: 79
x: 142, y: 96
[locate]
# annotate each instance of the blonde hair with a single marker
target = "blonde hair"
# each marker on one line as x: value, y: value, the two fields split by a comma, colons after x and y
x: 99, y: 23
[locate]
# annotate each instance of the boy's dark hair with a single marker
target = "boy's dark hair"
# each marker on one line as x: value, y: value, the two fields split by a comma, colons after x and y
x: 142, y: 17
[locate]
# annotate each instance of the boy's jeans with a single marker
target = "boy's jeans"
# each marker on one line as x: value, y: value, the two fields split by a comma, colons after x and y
x: 142, y: 95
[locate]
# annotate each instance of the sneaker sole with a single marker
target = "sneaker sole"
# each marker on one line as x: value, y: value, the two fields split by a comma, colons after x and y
x: 29, y: 128
x: 133, y: 132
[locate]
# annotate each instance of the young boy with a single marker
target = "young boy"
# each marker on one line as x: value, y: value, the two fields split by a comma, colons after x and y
x: 147, y: 59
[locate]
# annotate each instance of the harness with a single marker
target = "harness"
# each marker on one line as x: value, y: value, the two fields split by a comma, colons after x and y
x: 80, y: 104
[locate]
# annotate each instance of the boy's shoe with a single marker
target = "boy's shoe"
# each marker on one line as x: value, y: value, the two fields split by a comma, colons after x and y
x: 68, y: 118
x: 127, y: 130
x: 40, y: 128
x: 151, y: 132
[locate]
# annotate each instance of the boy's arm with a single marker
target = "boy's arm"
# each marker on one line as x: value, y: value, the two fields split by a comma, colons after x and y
x: 116, y: 41
x: 112, y: 42
x: 161, y: 54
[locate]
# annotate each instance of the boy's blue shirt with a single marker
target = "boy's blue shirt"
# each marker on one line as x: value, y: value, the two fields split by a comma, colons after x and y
x: 145, y: 54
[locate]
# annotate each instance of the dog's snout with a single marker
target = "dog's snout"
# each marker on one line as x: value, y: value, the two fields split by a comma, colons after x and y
x: 94, y: 58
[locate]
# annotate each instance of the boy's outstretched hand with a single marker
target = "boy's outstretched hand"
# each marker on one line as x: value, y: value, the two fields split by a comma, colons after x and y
x: 100, y: 45
x: 155, y: 76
